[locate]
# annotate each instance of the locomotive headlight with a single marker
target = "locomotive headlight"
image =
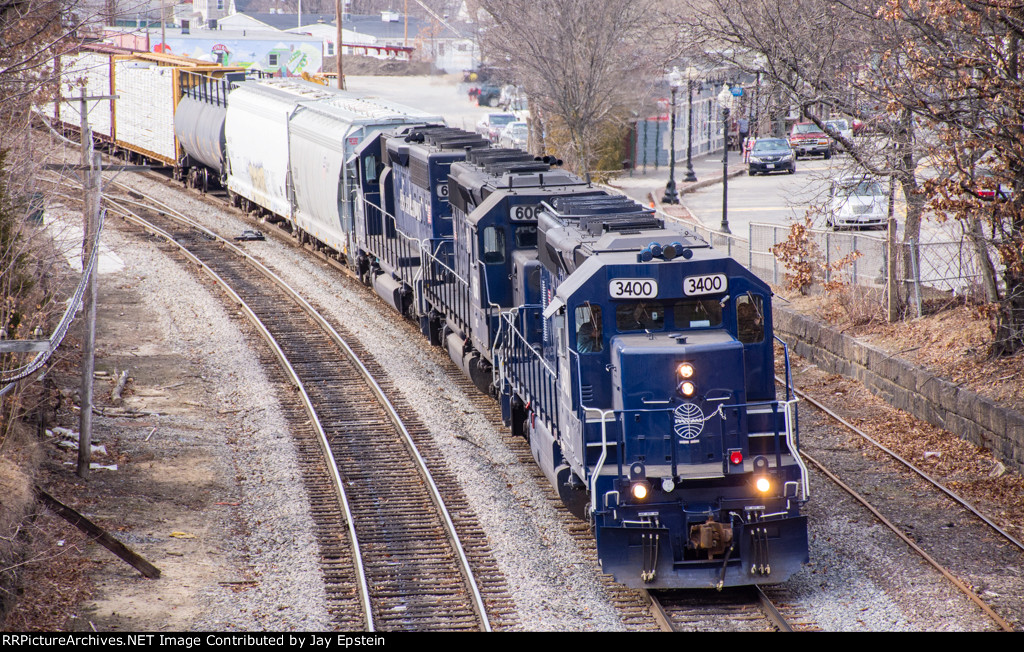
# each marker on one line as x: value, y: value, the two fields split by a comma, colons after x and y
x: 687, y: 389
x: 763, y: 484
x: 685, y: 370
x: 640, y: 490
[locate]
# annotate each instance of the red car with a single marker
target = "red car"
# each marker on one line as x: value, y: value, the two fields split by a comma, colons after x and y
x: 807, y: 139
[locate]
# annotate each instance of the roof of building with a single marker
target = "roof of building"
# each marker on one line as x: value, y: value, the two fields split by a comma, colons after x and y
x: 372, y: 25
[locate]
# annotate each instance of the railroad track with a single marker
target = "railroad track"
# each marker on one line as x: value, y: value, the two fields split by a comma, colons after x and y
x: 940, y: 523
x: 396, y: 539
x: 740, y: 609
x: 631, y: 603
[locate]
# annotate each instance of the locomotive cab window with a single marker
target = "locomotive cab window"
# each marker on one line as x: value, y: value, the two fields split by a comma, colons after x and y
x: 370, y: 171
x: 494, y: 246
x: 589, y: 333
x: 639, y: 316
x: 701, y: 313
x: 526, y: 237
x: 749, y: 318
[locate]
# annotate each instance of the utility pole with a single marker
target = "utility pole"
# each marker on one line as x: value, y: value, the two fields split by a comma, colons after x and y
x: 337, y: 20
x: 92, y: 186
x: 892, y: 302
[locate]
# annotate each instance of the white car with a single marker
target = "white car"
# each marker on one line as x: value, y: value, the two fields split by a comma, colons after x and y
x: 492, y: 124
x: 514, y: 134
x: 857, y: 202
x: 841, y: 127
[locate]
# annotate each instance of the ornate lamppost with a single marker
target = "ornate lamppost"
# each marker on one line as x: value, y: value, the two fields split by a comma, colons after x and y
x: 691, y: 78
x: 671, y: 196
x: 725, y: 100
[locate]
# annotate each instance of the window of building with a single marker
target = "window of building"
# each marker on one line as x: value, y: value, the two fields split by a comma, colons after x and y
x: 272, y: 60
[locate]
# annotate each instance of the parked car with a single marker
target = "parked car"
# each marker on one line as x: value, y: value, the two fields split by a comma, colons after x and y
x: 493, y: 123
x: 988, y: 186
x: 771, y: 155
x: 514, y: 134
x: 488, y: 95
x: 841, y: 126
x: 856, y: 202
x: 807, y: 139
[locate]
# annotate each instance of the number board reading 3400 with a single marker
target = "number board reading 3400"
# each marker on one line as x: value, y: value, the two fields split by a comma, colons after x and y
x: 705, y: 284
x: 633, y: 288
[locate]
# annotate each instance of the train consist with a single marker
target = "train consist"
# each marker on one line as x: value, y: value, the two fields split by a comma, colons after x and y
x: 636, y: 360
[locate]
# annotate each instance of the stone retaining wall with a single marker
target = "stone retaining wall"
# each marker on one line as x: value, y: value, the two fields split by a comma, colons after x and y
x: 908, y: 387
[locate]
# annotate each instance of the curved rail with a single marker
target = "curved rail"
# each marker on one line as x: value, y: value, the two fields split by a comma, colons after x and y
x: 966, y: 590
x: 335, y: 474
x: 478, y: 604
x: 924, y: 476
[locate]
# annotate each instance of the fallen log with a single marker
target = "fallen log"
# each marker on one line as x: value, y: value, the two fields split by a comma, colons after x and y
x: 99, y: 535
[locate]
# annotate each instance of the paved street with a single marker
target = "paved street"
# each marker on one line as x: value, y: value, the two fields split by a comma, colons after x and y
x: 774, y: 199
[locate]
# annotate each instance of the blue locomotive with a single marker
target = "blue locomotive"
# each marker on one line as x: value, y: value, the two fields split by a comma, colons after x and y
x: 636, y: 360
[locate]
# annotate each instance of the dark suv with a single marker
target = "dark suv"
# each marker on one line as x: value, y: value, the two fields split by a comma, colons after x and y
x: 771, y: 155
x: 807, y: 139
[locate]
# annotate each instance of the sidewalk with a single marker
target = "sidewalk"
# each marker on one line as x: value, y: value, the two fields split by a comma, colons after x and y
x: 648, y: 187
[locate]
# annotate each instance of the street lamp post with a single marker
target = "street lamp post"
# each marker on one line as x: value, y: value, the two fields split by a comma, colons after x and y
x: 671, y: 196
x: 725, y: 100
x: 690, y: 176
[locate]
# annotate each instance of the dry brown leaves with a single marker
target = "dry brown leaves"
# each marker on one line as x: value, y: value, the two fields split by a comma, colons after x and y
x: 953, y: 344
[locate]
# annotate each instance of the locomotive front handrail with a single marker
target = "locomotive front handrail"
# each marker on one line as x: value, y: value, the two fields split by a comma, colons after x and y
x: 788, y: 433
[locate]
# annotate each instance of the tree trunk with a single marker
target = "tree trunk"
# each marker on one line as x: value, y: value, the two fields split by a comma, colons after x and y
x: 1009, y: 337
x: 988, y: 273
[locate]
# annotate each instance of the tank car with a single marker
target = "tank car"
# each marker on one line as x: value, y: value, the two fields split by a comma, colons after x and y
x: 287, y: 147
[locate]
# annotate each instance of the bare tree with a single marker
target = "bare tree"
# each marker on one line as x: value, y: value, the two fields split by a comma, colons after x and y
x: 825, y: 57
x: 964, y: 58
x: 581, y: 62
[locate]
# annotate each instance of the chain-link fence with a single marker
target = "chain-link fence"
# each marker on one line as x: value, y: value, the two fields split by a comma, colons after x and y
x: 947, y: 266
x: 829, y: 247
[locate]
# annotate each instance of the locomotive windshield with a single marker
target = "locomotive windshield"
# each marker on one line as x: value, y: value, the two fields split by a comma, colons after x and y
x: 640, y: 315
x: 526, y: 236
x: 683, y: 313
x: 701, y: 313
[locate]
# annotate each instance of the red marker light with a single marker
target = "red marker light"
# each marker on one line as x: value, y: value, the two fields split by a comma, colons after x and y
x: 736, y: 457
